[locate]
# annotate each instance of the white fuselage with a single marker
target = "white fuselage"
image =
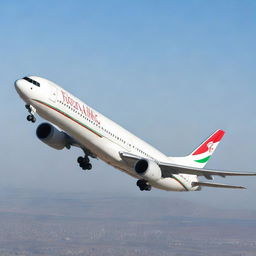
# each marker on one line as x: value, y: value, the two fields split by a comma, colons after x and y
x: 103, y: 137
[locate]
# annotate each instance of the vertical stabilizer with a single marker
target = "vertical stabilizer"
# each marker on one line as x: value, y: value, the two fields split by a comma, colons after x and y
x: 200, y: 156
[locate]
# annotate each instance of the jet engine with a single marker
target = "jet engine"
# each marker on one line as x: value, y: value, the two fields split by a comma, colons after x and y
x: 52, y: 136
x: 148, y: 170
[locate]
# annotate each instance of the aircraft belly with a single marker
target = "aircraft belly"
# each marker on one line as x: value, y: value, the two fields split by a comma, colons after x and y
x: 169, y: 184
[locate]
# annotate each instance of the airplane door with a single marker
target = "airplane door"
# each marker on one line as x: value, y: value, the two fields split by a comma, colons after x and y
x: 53, y: 94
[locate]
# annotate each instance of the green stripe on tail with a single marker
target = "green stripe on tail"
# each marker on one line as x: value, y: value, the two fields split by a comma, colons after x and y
x: 204, y: 160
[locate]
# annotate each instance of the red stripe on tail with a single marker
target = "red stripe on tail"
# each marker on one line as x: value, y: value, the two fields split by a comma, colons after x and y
x: 216, y: 137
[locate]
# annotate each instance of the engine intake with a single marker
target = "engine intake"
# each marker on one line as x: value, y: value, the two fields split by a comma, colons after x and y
x: 148, y: 170
x: 51, y: 136
x: 43, y: 131
x: 141, y: 166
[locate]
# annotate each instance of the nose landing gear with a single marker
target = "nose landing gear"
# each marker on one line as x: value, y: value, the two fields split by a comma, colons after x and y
x: 143, y: 185
x: 32, y: 111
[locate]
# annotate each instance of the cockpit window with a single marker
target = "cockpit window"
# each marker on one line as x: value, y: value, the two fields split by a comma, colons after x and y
x: 31, y: 81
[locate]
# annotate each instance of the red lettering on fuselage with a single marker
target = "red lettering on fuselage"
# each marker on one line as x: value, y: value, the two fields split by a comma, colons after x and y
x: 85, y: 110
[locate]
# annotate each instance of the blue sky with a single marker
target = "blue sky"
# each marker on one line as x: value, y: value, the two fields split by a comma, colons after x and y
x: 171, y: 72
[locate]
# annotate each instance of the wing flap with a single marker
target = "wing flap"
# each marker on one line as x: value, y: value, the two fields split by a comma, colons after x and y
x: 215, y: 185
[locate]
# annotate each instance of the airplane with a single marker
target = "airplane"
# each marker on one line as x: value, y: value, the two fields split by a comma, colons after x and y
x: 72, y: 122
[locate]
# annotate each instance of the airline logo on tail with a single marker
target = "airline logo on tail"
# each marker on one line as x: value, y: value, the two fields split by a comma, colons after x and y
x: 203, y: 153
x: 210, y: 147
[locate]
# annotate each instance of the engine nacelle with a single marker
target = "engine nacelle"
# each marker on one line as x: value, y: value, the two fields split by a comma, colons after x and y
x: 147, y: 169
x: 51, y: 136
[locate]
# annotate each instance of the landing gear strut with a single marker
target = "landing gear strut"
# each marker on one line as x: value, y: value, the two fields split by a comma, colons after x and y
x: 84, y: 162
x: 143, y: 185
x: 32, y: 111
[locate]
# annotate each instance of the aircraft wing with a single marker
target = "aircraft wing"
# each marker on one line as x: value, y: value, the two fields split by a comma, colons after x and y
x: 168, y: 169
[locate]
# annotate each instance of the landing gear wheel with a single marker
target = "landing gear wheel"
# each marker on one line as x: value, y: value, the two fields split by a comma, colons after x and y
x: 29, y: 118
x: 80, y: 159
x: 143, y: 185
x: 84, y: 162
x: 85, y: 166
x: 140, y: 183
x: 149, y: 188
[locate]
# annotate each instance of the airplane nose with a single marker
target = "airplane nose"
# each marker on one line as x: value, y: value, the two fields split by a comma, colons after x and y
x: 18, y: 85
x: 21, y: 88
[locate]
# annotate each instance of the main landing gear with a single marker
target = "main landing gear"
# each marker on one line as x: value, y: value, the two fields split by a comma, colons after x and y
x: 84, y: 162
x: 143, y: 185
x: 32, y: 111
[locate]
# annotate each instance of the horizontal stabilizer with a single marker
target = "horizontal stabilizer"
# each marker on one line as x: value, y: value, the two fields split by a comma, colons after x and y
x: 215, y: 185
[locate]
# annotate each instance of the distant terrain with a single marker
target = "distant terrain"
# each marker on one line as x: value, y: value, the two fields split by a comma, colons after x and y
x: 39, y: 223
